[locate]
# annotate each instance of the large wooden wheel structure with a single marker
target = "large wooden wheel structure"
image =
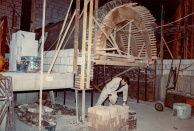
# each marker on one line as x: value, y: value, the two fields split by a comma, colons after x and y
x: 125, y: 36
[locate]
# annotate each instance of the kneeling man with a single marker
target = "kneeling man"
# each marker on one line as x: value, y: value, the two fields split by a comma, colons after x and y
x: 112, y: 88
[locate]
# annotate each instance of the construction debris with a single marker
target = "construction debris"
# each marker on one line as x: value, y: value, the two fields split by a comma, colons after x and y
x: 29, y: 113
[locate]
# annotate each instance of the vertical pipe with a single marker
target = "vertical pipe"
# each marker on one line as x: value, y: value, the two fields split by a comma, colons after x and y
x: 146, y: 84
x: 104, y: 81
x: 83, y: 105
x: 92, y: 94
x: 41, y: 75
x: 161, y: 42
x: 76, y: 101
x: 138, y: 85
x: 64, y: 97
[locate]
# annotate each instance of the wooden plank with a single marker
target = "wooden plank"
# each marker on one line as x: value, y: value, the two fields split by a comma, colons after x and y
x: 14, y: 19
x: 115, y: 44
x: 76, y: 36
x: 89, y: 45
x: 123, y: 56
x: 41, y: 69
x: 117, y: 63
x: 83, y: 45
x: 123, y: 60
x: 64, y: 22
x: 141, y: 50
x: 103, y: 31
x: 107, y: 49
x: 95, y: 26
x: 34, y: 17
x: 3, y: 45
x: 129, y: 39
x: 57, y: 52
x: 1, y: 33
x: 133, y: 46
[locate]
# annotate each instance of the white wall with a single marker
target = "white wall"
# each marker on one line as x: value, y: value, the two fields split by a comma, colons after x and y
x: 63, y: 63
x: 185, y: 82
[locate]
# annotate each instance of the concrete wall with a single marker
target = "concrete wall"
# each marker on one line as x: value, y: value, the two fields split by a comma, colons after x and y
x: 185, y: 82
x: 63, y: 63
x: 55, y: 11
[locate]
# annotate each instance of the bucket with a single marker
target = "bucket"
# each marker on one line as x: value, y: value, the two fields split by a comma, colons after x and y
x: 22, y: 68
x: 182, y: 110
x: 33, y: 66
x: 33, y: 63
x: 51, y: 127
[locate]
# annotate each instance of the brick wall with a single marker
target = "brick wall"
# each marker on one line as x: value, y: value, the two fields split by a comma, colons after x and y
x: 55, y: 11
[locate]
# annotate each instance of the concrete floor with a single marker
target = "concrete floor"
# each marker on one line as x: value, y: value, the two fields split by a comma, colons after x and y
x: 147, y: 117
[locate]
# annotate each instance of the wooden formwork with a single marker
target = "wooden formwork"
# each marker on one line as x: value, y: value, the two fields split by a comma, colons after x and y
x: 125, y: 35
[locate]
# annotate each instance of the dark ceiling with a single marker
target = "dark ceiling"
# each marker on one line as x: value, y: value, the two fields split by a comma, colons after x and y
x: 169, y: 6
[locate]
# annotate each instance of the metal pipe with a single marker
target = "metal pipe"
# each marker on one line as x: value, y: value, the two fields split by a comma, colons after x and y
x: 146, y: 84
x: 138, y: 85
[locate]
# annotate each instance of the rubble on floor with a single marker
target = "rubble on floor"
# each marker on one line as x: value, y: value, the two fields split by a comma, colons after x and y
x: 29, y: 113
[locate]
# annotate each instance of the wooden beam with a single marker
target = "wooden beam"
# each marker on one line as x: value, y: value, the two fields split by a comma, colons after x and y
x: 115, y: 44
x: 34, y: 17
x: 95, y: 26
x: 141, y: 50
x: 1, y: 33
x: 57, y: 52
x: 133, y: 46
x: 117, y: 63
x: 64, y: 22
x: 41, y: 69
x: 96, y: 86
x: 76, y: 36
x: 14, y: 18
x: 123, y: 60
x: 123, y: 56
x: 72, y: 30
x: 107, y: 49
x: 129, y: 38
x: 89, y: 45
x: 3, y: 45
x: 83, y: 46
x: 105, y: 33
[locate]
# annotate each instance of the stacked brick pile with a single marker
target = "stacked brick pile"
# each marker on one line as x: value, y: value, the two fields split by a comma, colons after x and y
x: 109, y: 118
